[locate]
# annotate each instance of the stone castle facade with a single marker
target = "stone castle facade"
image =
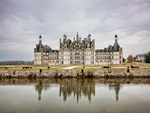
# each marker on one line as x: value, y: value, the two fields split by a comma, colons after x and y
x: 78, y: 52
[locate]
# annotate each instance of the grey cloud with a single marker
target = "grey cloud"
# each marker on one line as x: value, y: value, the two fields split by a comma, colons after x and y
x: 21, y: 22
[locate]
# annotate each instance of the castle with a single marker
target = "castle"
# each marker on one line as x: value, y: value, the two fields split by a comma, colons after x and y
x: 78, y: 52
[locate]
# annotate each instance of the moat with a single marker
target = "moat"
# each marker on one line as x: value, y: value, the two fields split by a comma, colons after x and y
x: 74, y: 95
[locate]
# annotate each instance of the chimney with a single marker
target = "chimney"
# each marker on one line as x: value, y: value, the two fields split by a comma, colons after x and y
x: 80, y: 39
x: 88, y: 37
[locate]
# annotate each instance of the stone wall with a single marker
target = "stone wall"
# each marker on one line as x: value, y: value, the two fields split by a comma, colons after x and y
x: 77, y: 73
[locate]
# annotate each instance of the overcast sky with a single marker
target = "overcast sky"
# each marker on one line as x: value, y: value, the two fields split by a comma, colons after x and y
x: 22, y: 21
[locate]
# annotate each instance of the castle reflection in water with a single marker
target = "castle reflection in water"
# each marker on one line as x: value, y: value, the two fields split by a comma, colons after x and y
x: 76, y: 87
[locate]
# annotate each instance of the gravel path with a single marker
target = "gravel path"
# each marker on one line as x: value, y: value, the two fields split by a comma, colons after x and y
x: 69, y: 67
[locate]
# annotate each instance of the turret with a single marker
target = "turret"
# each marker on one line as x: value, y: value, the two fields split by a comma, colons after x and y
x: 89, y: 37
x: 116, y: 45
x: 64, y: 37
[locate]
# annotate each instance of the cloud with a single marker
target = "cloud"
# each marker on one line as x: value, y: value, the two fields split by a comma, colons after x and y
x: 21, y: 22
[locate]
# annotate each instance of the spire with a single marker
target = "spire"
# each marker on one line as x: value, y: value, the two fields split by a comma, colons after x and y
x: 116, y: 39
x: 40, y: 39
x: 77, y: 35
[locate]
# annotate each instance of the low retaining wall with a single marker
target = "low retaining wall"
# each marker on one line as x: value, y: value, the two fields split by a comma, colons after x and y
x: 77, y: 73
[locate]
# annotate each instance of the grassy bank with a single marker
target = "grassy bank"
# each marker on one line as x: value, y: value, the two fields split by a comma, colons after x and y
x: 112, y: 67
x: 124, y: 66
x: 2, y: 67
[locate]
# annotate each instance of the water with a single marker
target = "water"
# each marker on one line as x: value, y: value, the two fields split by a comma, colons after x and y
x: 75, y: 95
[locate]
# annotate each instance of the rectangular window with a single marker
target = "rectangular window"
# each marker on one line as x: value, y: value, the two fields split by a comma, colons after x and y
x: 92, y: 52
x: 92, y: 57
x: 92, y: 62
x: 82, y: 58
x: 77, y: 53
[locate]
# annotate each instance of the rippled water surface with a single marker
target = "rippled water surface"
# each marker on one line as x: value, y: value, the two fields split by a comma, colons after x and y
x: 75, y: 95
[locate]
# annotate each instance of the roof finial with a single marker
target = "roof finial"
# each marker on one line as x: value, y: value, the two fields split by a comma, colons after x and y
x: 40, y: 39
x: 77, y: 35
x: 116, y: 38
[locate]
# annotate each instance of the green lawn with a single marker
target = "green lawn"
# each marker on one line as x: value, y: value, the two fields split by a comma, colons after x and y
x: 124, y: 66
x: 2, y: 67
x: 136, y: 63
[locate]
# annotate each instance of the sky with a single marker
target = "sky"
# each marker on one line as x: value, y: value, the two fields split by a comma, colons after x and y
x: 22, y: 21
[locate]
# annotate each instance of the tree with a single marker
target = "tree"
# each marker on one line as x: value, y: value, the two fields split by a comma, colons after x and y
x: 134, y: 59
x: 147, y: 57
x: 32, y: 62
x: 130, y: 59
x: 124, y: 60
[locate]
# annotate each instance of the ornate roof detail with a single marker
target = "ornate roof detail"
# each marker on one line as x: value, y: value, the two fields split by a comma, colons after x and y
x: 77, y: 44
x: 40, y: 47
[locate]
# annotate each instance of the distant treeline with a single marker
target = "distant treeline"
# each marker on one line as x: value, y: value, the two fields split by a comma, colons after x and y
x: 16, y: 62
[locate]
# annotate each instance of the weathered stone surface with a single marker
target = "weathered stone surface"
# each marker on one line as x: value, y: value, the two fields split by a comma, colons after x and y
x: 77, y: 73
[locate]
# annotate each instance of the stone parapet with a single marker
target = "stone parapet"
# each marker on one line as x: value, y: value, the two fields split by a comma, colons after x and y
x: 76, y: 73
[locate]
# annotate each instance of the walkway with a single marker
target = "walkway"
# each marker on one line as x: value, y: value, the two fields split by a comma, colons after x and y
x: 71, y: 67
